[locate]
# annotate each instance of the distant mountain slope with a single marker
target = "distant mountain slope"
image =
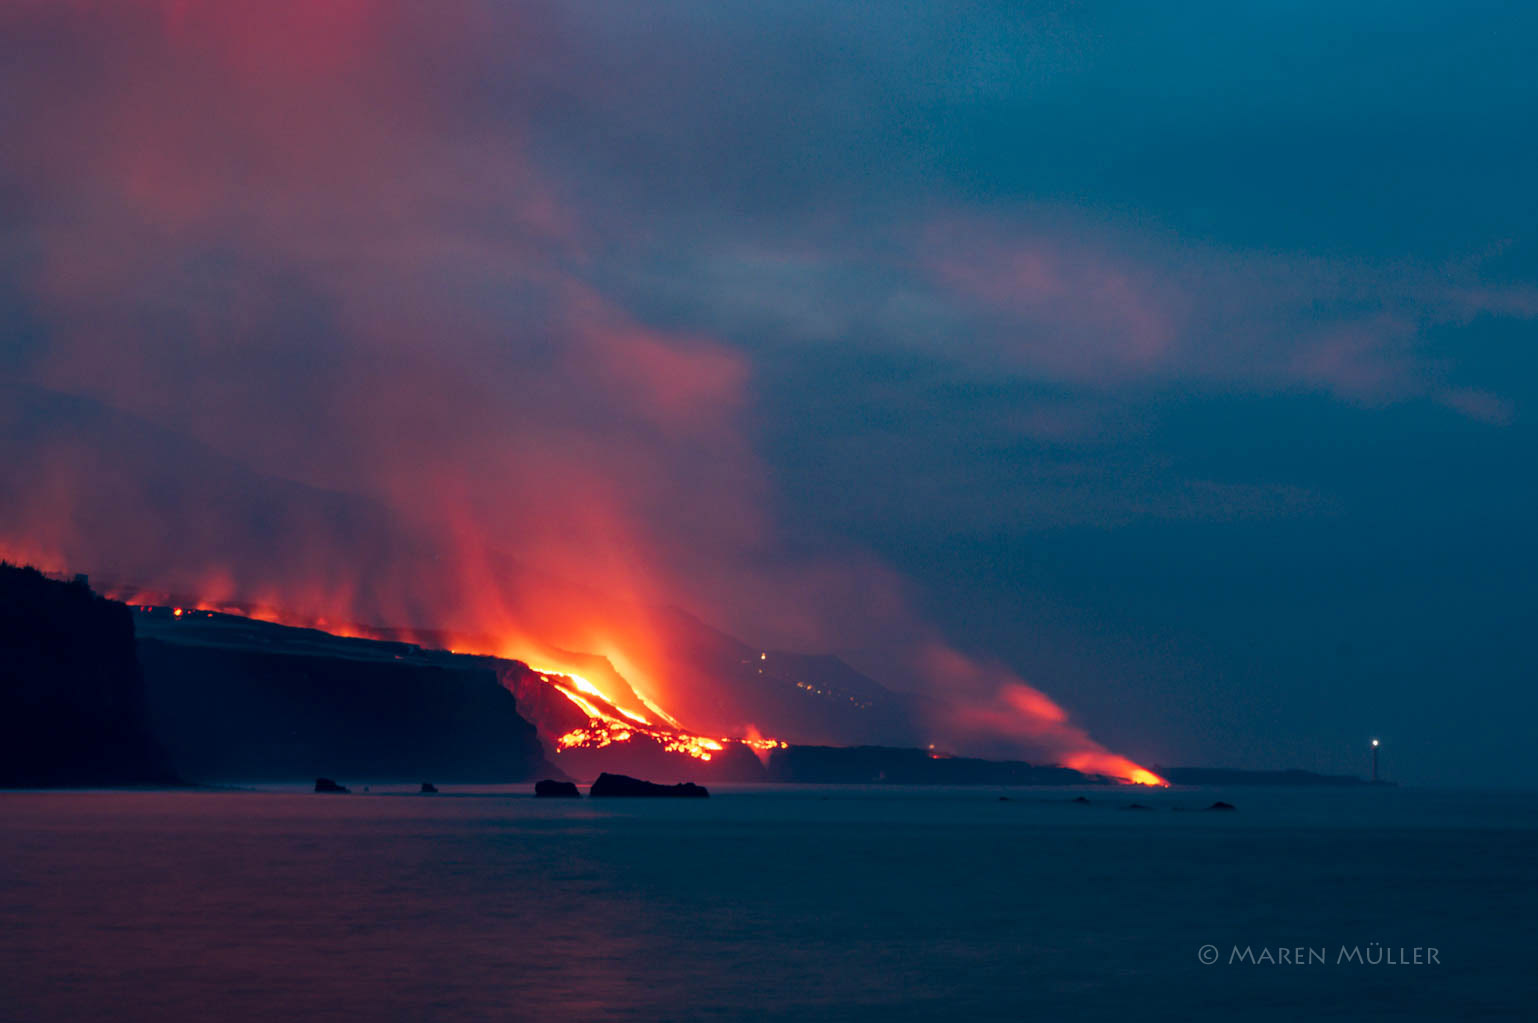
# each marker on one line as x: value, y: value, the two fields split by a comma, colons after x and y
x: 866, y: 765
x: 812, y: 698
x: 72, y: 708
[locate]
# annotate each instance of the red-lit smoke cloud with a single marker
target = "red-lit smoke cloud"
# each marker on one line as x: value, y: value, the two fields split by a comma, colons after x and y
x: 317, y: 329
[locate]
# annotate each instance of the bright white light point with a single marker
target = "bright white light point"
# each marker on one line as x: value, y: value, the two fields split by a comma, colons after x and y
x: 763, y: 657
x: 1375, y: 742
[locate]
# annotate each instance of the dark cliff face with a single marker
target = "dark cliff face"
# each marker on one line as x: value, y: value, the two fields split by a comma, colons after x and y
x: 71, y: 691
x: 238, y: 713
x: 87, y: 698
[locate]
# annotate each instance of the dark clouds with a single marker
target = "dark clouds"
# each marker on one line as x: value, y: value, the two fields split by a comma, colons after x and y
x: 1178, y: 361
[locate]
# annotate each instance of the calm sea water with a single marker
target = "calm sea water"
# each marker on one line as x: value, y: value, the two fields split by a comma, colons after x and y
x: 763, y: 903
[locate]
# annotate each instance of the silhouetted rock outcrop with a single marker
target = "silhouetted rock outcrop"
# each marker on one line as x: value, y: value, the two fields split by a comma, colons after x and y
x: 550, y: 788
x: 429, y: 789
x: 328, y: 785
x: 624, y: 785
x: 72, y: 706
x: 1220, y: 805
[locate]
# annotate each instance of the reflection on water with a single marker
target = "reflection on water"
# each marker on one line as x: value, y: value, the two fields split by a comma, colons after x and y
x: 773, y: 904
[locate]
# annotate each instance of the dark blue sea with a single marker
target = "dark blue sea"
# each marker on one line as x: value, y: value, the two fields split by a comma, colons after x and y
x: 807, y: 903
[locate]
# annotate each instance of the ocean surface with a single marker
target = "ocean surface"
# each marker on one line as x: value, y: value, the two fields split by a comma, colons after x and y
x: 764, y: 903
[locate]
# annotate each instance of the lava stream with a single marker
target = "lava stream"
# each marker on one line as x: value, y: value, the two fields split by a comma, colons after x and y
x: 610, y: 723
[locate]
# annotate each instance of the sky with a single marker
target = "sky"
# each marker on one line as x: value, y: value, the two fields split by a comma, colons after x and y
x: 1176, y: 362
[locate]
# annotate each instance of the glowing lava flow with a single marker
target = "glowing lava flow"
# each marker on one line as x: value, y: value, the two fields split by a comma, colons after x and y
x: 609, y: 719
x: 1114, y: 766
x: 610, y: 723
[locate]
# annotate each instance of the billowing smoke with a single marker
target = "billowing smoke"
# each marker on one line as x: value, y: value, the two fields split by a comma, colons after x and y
x: 301, y: 319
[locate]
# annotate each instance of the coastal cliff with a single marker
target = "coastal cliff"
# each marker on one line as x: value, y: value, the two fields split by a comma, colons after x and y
x: 95, y: 693
x: 72, y: 706
x: 239, y: 700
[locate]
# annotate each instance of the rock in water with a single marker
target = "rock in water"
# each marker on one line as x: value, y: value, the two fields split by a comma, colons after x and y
x: 428, y: 788
x: 553, y: 788
x: 1220, y: 805
x: 327, y: 785
x: 622, y: 785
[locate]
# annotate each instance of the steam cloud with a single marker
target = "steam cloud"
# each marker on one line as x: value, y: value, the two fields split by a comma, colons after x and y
x: 310, y: 323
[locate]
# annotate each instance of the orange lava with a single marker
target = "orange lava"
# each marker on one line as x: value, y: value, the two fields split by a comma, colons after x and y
x: 1114, y: 766
x: 608, y: 723
x: 614, y: 714
x: 612, y: 717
